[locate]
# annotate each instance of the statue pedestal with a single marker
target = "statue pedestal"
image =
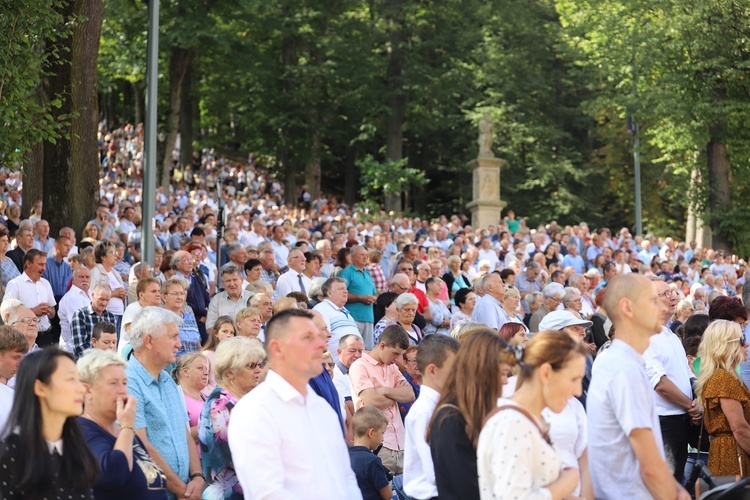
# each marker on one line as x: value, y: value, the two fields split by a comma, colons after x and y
x: 486, y: 205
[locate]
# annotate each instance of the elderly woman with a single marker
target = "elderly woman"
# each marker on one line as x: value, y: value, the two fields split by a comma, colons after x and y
x: 534, y: 301
x: 191, y: 375
x: 9, y: 269
x: 249, y: 322
x: 174, y: 293
x: 104, y: 272
x: 441, y: 315
x: 465, y: 300
x: 511, y: 302
x: 682, y: 312
x: 454, y: 279
x: 237, y: 367
x: 126, y: 469
x: 406, y: 305
x: 572, y: 299
x: 724, y: 399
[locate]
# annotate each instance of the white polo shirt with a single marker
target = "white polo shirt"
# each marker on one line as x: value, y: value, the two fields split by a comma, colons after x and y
x: 31, y: 294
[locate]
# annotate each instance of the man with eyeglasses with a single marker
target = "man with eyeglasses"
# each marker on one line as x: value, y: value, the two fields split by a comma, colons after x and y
x: 670, y: 377
x: 34, y: 291
x: 22, y: 319
x: 552, y: 296
x: 84, y: 320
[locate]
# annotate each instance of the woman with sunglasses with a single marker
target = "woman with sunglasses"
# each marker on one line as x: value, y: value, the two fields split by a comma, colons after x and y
x: 724, y: 398
x: 237, y: 366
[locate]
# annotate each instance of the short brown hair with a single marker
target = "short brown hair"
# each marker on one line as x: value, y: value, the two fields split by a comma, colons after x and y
x: 366, y: 418
x: 11, y: 340
x: 143, y: 283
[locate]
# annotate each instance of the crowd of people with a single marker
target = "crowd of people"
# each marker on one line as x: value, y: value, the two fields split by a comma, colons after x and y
x: 306, y: 352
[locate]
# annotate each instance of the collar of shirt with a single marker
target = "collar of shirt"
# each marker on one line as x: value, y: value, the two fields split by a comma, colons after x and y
x: 55, y: 445
x: 429, y: 393
x: 337, y: 308
x: 141, y: 372
x: 343, y: 368
x: 79, y: 291
x: 371, y: 360
x: 283, y: 388
x: 619, y: 345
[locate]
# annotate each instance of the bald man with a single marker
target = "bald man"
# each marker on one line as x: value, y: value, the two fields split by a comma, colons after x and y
x: 626, y: 452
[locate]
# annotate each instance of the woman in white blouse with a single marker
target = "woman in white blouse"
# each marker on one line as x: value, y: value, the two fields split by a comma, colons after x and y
x: 551, y: 369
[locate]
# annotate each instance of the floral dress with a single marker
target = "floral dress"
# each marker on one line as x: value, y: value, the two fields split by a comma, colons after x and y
x: 217, y: 458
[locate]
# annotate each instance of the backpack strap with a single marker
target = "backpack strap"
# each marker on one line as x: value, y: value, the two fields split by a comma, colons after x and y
x: 544, y: 433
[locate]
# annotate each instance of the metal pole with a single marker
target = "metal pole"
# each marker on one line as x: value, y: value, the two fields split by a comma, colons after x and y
x: 149, y: 156
x: 637, y: 167
x: 219, y: 232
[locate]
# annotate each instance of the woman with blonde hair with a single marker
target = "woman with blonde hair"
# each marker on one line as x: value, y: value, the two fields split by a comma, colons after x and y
x: 237, y: 367
x: 283, y: 304
x: 724, y: 398
x: 511, y: 303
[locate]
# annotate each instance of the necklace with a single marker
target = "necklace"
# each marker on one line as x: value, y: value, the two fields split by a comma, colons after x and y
x: 192, y: 394
x: 96, y: 421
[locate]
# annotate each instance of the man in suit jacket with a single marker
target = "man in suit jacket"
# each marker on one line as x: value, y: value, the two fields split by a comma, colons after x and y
x: 25, y: 239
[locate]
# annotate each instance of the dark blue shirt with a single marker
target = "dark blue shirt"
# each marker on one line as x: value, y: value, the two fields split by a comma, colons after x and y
x: 323, y: 387
x: 404, y: 408
x: 370, y: 472
x: 146, y: 481
x: 59, y: 275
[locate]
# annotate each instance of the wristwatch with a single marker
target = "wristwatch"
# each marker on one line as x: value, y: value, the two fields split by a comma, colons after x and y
x: 197, y: 474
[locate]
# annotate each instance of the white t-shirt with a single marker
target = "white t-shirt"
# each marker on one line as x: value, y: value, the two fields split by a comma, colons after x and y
x: 130, y: 313
x: 116, y: 305
x: 568, y: 431
x: 6, y: 403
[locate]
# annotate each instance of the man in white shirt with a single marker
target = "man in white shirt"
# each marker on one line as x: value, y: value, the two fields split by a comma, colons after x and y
x: 280, y: 250
x: 351, y: 347
x: 488, y: 253
x: 285, y: 440
x: 626, y: 456
x: 339, y: 319
x: 294, y: 280
x: 254, y: 237
x: 669, y: 374
x: 13, y: 347
x: 34, y: 291
x: 435, y: 358
x: 489, y: 308
x: 76, y: 298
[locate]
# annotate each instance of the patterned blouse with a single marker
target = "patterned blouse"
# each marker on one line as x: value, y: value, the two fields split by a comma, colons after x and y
x: 217, y: 459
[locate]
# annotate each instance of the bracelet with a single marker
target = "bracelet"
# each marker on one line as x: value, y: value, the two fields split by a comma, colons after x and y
x: 197, y: 474
x: 124, y: 427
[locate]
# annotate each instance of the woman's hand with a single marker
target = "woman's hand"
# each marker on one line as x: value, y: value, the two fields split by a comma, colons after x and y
x: 125, y: 412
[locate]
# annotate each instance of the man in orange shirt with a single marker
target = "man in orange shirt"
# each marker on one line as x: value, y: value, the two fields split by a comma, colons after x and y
x: 377, y: 381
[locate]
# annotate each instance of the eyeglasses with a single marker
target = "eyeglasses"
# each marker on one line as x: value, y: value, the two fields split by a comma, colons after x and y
x: 742, y: 340
x: 259, y: 364
x: 111, y: 252
x: 176, y: 294
x: 667, y: 293
x: 28, y: 321
x: 410, y: 360
x: 406, y: 270
x: 330, y: 365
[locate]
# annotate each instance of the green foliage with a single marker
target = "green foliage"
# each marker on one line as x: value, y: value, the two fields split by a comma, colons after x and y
x: 388, y: 177
x: 28, y: 53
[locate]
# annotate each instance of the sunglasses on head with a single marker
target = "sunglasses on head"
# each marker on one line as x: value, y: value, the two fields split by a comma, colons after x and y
x: 742, y: 340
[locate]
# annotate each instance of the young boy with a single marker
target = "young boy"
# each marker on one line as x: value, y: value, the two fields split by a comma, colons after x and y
x: 435, y: 358
x: 368, y: 425
x: 104, y: 336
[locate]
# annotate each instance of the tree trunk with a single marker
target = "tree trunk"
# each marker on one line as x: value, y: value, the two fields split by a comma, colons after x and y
x: 288, y: 154
x: 396, y: 100
x: 56, y: 159
x: 138, y: 101
x: 179, y: 63
x: 312, y: 170
x: 718, y: 171
x: 84, y: 154
x: 350, y: 177
x: 186, y: 118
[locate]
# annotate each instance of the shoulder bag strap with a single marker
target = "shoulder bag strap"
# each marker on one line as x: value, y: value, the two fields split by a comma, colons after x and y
x: 544, y: 433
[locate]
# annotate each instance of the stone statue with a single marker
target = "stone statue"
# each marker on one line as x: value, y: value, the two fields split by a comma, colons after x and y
x: 486, y: 137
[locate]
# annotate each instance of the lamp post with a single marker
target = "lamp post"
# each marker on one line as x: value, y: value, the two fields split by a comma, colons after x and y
x: 149, y: 160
